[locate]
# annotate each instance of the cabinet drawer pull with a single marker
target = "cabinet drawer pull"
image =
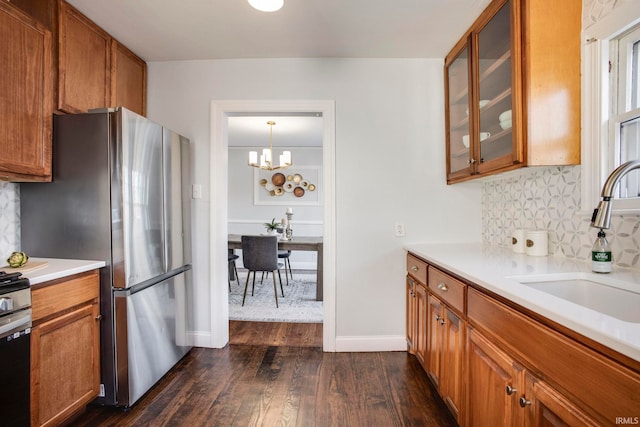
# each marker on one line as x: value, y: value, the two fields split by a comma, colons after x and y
x: 524, y: 402
x: 443, y: 287
x: 414, y: 268
x: 510, y: 390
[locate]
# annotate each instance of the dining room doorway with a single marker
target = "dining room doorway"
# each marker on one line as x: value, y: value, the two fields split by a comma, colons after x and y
x: 314, y: 215
x: 291, y: 199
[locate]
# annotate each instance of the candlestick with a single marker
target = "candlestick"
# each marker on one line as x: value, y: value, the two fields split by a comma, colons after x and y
x: 288, y: 232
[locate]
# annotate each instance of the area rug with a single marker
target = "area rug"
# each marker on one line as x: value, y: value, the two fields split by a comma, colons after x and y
x: 298, y: 305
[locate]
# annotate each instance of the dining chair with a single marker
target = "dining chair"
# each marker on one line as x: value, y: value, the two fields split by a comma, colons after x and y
x: 284, y: 255
x: 233, y: 270
x: 260, y: 253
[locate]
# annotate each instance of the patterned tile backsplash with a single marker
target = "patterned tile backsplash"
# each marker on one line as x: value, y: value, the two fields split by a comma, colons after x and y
x: 9, y: 219
x: 549, y: 199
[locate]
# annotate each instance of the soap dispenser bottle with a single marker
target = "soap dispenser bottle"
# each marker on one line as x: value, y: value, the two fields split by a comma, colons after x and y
x: 601, y: 259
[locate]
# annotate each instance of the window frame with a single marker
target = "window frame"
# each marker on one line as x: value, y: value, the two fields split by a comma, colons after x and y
x: 598, y: 108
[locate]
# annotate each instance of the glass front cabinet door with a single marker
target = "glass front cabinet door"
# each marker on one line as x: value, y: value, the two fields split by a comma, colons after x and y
x: 458, y: 122
x: 512, y: 89
x: 481, y: 90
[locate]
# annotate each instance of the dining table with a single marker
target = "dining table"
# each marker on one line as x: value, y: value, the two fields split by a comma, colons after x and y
x: 296, y: 243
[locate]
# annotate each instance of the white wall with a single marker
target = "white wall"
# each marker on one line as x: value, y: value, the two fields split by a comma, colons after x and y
x: 390, y: 167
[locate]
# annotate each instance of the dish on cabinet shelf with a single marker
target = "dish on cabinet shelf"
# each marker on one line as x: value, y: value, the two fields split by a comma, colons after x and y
x: 504, y: 116
x: 465, y: 140
x: 483, y: 136
x: 482, y: 103
x: 505, y: 124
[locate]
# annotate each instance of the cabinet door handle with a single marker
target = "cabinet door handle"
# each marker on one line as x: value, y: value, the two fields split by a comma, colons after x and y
x: 510, y: 390
x: 438, y: 318
x: 414, y: 268
x: 524, y: 402
x: 443, y: 287
x: 442, y: 322
x: 99, y: 317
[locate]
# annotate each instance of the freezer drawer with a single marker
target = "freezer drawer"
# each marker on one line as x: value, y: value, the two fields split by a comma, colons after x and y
x: 150, y: 335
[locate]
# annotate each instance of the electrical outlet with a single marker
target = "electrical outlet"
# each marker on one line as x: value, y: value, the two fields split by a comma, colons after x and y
x: 101, y: 392
x: 196, y: 191
x: 400, y: 229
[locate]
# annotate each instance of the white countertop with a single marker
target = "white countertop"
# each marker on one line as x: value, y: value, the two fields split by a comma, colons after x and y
x: 58, y: 268
x: 491, y: 267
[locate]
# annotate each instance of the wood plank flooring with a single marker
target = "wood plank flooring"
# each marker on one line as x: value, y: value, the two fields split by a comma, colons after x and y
x: 275, y: 374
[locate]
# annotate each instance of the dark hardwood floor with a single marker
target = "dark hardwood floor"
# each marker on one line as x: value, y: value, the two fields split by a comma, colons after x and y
x: 275, y: 374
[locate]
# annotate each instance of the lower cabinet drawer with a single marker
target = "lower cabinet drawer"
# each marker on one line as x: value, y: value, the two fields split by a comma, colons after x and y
x: 417, y: 268
x: 70, y: 292
x: 450, y: 290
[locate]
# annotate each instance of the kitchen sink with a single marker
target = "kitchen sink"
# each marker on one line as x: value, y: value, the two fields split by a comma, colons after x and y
x: 605, y: 295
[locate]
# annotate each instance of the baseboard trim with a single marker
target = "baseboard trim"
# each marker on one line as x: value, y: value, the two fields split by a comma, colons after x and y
x: 201, y: 339
x: 346, y: 344
x: 371, y: 343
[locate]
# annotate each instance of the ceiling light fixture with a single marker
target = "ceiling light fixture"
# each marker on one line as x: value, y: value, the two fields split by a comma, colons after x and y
x: 267, y: 5
x: 266, y: 158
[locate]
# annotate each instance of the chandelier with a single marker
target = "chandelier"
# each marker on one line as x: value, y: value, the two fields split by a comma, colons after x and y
x: 266, y: 158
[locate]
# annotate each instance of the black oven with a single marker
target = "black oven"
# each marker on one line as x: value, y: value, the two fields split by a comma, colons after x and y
x: 15, y: 349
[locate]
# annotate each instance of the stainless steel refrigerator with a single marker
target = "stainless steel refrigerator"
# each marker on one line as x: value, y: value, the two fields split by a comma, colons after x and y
x: 121, y: 193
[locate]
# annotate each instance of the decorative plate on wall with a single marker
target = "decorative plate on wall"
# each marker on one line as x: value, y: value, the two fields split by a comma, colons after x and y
x: 278, y: 179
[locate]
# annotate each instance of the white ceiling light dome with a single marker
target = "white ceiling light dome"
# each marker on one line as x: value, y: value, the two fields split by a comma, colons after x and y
x: 267, y: 5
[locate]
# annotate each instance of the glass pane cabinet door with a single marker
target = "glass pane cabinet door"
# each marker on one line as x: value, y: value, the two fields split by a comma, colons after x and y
x: 495, y: 101
x: 458, y: 122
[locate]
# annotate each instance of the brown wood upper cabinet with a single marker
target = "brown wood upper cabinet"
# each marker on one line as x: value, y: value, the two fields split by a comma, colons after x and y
x: 95, y: 70
x: 128, y: 79
x: 512, y: 89
x: 92, y: 69
x: 26, y: 101
x: 84, y: 63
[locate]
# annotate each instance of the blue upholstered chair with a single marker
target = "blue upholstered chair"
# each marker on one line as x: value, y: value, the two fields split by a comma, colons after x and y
x: 260, y: 253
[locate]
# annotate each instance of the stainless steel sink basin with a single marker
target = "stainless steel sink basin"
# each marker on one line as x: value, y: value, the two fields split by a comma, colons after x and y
x: 600, y: 293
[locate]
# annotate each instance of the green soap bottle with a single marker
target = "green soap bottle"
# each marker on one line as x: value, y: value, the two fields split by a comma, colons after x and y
x: 601, y: 259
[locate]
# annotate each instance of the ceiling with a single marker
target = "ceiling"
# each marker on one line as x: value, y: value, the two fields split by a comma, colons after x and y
x: 170, y: 30
x: 289, y: 131
x: 176, y: 30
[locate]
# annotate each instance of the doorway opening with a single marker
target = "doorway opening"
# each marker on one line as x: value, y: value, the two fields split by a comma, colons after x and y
x: 291, y: 199
x: 222, y: 112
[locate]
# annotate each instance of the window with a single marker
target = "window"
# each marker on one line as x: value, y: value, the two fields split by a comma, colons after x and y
x: 624, y: 123
x: 610, y: 101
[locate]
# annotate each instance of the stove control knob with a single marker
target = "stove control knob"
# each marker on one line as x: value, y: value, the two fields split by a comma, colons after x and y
x: 6, y: 304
